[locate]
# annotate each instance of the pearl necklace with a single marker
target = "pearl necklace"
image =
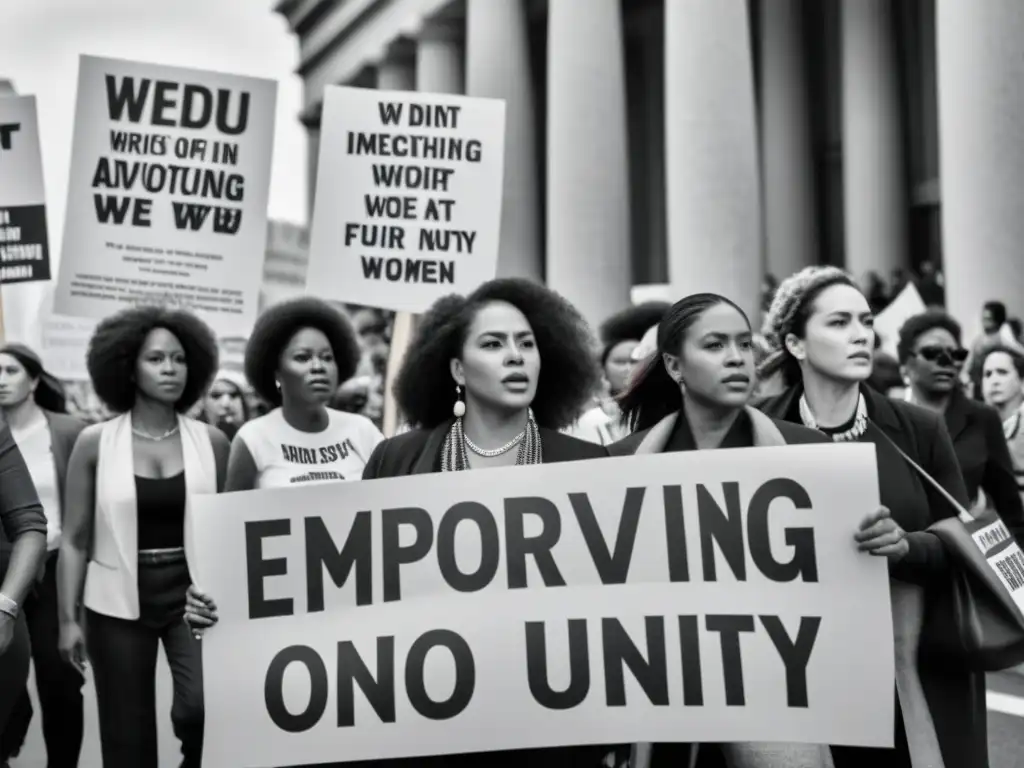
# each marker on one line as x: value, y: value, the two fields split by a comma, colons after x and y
x: 490, y: 454
x: 860, y: 421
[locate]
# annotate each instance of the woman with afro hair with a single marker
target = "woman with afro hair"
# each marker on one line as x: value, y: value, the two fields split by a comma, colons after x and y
x: 125, y: 527
x: 488, y: 381
x: 821, y: 328
x: 299, y: 352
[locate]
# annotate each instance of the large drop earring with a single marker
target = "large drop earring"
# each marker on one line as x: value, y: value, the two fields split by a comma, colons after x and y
x: 459, y: 409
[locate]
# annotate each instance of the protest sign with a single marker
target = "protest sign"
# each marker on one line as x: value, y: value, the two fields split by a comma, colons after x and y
x: 889, y: 321
x: 408, y: 197
x: 24, y: 247
x: 711, y: 596
x: 167, y: 198
x: 65, y: 343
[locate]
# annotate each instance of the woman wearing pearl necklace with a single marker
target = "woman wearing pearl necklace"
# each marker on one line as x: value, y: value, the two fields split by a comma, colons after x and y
x: 123, y: 553
x: 820, y: 326
x: 488, y: 381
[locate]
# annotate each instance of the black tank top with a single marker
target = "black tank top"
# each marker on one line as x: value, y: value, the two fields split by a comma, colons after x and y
x: 161, y: 509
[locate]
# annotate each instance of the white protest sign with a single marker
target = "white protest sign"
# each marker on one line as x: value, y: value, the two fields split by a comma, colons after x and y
x: 167, y: 197
x: 408, y: 197
x: 706, y: 596
x: 24, y: 246
x: 889, y: 321
x: 65, y: 343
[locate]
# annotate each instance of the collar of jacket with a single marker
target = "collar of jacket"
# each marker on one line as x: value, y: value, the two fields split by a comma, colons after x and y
x: 765, y: 432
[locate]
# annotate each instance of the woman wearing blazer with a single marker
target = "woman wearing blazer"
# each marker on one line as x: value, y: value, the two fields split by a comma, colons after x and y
x: 487, y: 382
x: 931, y: 355
x: 33, y: 406
x: 126, y: 527
x: 692, y: 395
x: 22, y: 553
x: 820, y: 325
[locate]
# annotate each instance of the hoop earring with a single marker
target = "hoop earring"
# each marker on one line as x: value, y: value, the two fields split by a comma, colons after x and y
x: 459, y: 409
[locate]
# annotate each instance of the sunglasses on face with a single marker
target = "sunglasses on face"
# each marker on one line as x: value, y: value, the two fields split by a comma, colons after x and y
x: 943, y: 355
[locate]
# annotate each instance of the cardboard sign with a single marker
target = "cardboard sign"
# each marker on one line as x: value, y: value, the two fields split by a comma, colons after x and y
x: 408, y: 197
x: 705, y: 596
x: 24, y: 246
x: 167, y: 199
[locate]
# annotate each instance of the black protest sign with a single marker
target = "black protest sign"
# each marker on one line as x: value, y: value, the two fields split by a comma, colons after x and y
x: 24, y: 245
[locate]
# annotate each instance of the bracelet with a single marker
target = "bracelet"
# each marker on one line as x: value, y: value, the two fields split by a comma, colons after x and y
x: 8, y: 606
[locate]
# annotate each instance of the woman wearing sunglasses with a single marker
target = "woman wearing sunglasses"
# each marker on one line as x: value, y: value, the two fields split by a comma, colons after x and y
x: 932, y: 357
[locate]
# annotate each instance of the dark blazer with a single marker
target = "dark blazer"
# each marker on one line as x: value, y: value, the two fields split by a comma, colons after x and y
x: 981, y: 449
x: 64, y: 430
x: 419, y: 452
x: 955, y: 696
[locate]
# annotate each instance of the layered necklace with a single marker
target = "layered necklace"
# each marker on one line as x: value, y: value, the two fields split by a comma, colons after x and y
x: 455, y: 458
x: 855, y: 432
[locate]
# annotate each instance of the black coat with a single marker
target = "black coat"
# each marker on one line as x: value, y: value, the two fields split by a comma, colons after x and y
x: 984, y: 457
x: 419, y: 452
x: 955, y: 696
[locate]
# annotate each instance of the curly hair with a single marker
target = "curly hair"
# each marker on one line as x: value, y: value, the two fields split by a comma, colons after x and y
x: 918, y: 325
x: 630, y: 325
x: 424, y: 389
x: 790, y: 309
x: 117, y: 341
x: 275, y: 328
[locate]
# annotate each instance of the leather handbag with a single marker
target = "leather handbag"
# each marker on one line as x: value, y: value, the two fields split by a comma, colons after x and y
x: 977, y: 618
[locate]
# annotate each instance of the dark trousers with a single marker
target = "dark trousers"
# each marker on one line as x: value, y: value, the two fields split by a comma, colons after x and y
x: 123, y: 655
x: 58, y: 684
x: 13, y: 670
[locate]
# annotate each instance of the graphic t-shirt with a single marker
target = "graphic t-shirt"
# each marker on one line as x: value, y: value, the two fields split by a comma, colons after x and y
x: 286, y: 457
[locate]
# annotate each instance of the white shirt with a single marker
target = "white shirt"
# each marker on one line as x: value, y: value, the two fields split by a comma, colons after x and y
x: 37, y: 449
x: 284, y: 456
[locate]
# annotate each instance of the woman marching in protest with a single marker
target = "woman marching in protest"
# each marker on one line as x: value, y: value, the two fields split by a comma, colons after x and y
x: 820, y: 326
x: 931, y: 355
x: 692, y: 394
x: 298, y: 353
x: 124, y: 528
x: 1002, y: 386
x: 224, y: 405
x: 487, y: 382
x: 34, y: 408
x: 22, y: 553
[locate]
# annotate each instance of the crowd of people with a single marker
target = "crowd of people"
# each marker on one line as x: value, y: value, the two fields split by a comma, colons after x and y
x: 94, y: 517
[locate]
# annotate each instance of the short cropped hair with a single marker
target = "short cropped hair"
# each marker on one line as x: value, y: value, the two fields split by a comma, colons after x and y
x: 1016, y: 358
x: 276, y: 327
x: 918, y: 325
x: 569, y: 375
x: 117, y: 341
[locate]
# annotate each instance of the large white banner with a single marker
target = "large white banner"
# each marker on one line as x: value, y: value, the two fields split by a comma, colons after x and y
x: 167, y: 198
x: 408, y: 197
x: 711, y: 596
x: 24, y: 245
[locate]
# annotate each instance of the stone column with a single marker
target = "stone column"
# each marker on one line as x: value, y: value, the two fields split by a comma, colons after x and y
x: 790, y: 234
x: 876, y: 206
x: 498, y: 65
x: 712, y: 185
x: 981, y: 109
x: 440, y: 58
x: 588, y: 236
x: 397, y: 71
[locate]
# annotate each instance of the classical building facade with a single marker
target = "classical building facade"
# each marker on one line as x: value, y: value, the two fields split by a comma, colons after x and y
x: 706, y: 143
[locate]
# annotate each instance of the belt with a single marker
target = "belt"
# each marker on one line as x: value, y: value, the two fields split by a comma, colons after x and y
x: 161, y: 556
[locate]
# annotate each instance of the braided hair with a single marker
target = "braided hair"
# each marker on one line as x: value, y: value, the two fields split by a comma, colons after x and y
x: 791, y: 307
